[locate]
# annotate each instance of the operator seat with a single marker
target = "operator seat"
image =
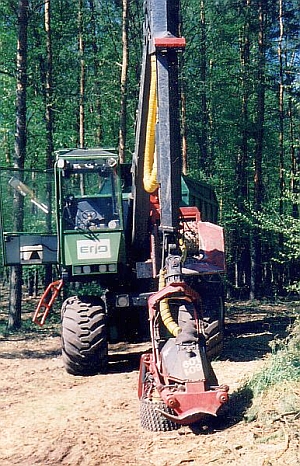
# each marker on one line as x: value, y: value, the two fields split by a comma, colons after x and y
x: 93, y: 212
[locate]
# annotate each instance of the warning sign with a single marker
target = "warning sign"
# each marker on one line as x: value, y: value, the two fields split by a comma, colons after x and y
x: 31, y: 254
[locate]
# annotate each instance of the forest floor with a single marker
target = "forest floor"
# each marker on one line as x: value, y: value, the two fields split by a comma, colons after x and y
x: 51, y: 418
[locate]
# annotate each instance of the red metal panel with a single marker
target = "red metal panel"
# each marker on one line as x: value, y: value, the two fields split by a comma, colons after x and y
x: 169, y: 42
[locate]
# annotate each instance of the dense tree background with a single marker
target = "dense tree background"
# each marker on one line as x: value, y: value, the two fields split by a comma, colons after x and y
x: 241, y: 87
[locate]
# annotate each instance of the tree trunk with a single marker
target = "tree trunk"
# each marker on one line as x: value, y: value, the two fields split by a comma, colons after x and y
x: 184, y: 135
x: 124, y: 73
x: 241, y: 234
x: 294, y: 160
x: 15, y: 282
x: 97, y: 83
x: 281, y: 141
x: 205, y: 162
x: 15, y: 297
x: 294, y: 163
x: 49, y: 127
x: 256, y: 243
x: 82, y: 76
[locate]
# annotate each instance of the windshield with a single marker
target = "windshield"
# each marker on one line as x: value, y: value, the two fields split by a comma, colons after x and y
x: 90, y: 199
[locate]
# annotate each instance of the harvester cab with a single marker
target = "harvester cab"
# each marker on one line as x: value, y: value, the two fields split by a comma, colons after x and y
x: 89, y: 213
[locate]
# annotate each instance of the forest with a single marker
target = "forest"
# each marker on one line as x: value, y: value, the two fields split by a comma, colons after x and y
x: 69, y: 77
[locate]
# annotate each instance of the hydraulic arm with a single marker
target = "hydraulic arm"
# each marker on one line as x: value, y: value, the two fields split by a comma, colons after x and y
x: 157, y: 158
x: 177, y: 384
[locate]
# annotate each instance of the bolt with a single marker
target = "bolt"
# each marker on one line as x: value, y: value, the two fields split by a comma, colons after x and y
x: 175, y: 262
x: 172, y: 402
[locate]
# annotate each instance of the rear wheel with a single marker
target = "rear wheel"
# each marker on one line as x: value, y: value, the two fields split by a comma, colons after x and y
x: 84, y: 336
x: 213, y: 317
x: 214, y: 328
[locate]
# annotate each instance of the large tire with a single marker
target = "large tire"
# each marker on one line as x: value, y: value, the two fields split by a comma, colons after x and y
x: 211, y: 291
x: 213, y: 320
x: 154, y: 420
x: 84, y: 336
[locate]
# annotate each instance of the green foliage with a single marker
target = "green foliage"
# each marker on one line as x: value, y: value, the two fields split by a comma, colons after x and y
x: 284, y: 364
x: 228, y: 68
x: 275, y: 383
x: 287, y: 227
x: 222, y: 76
x: 84, y: 289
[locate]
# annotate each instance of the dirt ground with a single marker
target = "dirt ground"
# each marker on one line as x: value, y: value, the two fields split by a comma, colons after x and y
x: 51, y: 418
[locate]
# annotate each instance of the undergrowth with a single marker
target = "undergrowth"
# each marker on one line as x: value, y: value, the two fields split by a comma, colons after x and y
x: 276, y: 389
x: 28, y: 329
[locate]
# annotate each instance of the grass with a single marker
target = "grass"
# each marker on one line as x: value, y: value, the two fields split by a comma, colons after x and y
x: 276, y: 389
x: 29, y: 329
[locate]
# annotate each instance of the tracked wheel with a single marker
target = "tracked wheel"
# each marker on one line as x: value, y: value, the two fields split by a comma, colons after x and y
x: 154, y: 420
x: 84, y: 336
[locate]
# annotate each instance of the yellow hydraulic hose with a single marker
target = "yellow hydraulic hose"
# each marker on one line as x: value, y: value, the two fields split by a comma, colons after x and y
x: 150, y: 165
x: 150, y: 185
x: 183, y: 249
x: 165, y: 311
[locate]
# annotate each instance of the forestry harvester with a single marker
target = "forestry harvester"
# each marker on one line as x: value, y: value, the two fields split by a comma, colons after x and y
x: 145, y: 236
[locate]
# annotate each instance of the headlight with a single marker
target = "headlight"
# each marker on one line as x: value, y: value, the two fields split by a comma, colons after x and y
x: 111, y: 162
x: 113, y: 224
x: 122, y: 300
x: 61, y: 163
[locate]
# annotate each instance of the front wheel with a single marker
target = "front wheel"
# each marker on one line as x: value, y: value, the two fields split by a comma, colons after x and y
x: 152, y: 418
x: 84, y: 336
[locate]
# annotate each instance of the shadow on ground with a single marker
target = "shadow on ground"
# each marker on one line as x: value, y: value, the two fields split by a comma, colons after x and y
x: 231, y: 414
x: 31, y: 354
x: 247, y: 341
x: 125, y: 362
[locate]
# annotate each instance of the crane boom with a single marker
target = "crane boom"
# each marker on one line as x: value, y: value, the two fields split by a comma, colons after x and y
x: 162, y: 45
